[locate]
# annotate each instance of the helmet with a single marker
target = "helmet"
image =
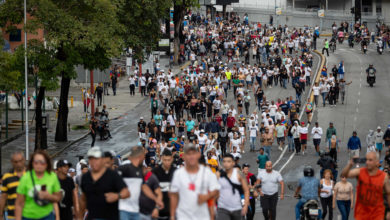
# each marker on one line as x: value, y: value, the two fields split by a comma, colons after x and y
x: 308, y: 171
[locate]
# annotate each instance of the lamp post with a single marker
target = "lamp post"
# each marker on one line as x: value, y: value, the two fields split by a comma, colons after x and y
x: 25, y: 75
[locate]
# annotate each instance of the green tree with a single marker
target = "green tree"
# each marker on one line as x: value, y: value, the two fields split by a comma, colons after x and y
x: 142, y: 19
x: 82, y: 32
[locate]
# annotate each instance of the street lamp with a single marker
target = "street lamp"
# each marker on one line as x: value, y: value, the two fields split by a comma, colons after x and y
x: 25, y: 74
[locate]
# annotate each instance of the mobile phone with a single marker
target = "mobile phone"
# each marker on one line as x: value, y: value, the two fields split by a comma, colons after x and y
x: 359, y: 160
x: 43, y: 188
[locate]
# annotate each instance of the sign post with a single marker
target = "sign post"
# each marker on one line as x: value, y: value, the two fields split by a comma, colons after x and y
x: 321, y: 14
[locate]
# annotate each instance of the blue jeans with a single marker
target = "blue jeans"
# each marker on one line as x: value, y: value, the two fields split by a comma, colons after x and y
x: 123, y: 215
x: 253, y: 143
x: 290, y: 143
x: 300, y: 203
x: 48, y: 217
x: 224, y: 118
x: 284, y: 81
x: 344, y: 208
x: 323, y: 97
x: 267, y: 150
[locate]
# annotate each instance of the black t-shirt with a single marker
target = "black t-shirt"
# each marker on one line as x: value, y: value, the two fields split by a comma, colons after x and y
x: 192, y: 137
x: 147, y: 205
x: 67, y: 187
x: 94, y: 191
x: 284, y: 108
x: 141, y: 126
x: 165, y: 179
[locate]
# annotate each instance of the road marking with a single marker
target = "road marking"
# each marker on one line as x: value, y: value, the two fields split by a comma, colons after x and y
x: 354, y: 118
x: 358, y: 101
x: 360, y: 85
x: 281, y: 155
x: 288, y: 161
x: 357, y: 110
x: 359, y: 93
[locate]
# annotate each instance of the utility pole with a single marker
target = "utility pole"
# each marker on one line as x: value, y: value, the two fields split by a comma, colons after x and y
x: 25, y: 75
x: 92, y: 94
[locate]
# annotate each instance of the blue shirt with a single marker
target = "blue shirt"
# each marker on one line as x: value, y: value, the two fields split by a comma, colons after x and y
x: 263, y: 158
x: 309, y: 188
x: 354, y: 143
x: 158, y: 119
x: 190, y: 125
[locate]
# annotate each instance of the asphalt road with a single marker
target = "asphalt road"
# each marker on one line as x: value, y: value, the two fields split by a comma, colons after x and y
x: 364, y: 108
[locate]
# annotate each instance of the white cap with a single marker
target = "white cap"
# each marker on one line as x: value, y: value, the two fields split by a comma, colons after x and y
x: 378, y: 128
x: 95, y: 152
x: 141, y: 118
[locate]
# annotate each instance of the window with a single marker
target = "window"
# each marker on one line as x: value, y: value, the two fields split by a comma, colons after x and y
x: 15, y: 36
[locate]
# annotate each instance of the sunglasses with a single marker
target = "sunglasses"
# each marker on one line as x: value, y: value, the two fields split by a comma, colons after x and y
x: 42, y: 162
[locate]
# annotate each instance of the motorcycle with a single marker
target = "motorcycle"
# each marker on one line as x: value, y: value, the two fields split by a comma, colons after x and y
x: 380, y: 50
x: 371, y: 80
x: 310, y: 210
x: 332, y: 46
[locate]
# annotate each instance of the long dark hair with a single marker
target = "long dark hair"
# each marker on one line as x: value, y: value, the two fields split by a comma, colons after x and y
x: 47, y: 160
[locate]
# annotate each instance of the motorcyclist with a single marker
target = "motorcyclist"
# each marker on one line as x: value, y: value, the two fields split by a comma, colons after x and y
x: 327, y: 162
x: 371, y: 71
x: 103, y: 125
x: 350, y: 39
x: 309, y: 187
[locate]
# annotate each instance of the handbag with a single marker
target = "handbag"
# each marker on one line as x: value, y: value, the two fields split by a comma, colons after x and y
x: 37, y: 200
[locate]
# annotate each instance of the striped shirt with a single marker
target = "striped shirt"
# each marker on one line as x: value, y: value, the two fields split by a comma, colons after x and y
x: 10, y: 183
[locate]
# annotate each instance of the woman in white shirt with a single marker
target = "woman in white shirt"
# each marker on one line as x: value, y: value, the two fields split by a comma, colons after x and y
x: 326, y: 194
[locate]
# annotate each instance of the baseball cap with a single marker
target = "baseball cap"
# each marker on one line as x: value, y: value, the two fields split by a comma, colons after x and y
x: 378, y: 128
x: 71, y: 170
x: 141, y: 118
x: 190, y: 147
x: 62, y: 163
x: 303, y: 122
x: 95, y: 152
x: 202, y: 131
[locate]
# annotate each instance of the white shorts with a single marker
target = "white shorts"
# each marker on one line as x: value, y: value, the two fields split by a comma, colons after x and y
x: 142, y: 135
x: 354, y: 153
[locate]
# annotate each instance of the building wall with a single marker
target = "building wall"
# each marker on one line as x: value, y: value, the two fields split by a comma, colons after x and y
x: 15, y: 44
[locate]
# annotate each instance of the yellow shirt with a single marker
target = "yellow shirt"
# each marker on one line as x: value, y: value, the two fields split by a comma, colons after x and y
x: 228, y: 75
x: 214, y: 163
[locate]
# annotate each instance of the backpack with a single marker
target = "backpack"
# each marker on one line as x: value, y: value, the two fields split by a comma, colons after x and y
x: 317, y: 33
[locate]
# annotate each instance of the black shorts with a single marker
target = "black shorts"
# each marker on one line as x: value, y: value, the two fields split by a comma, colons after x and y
x: 303, y: 141
x: 216, y: 111
x: 316, y: 142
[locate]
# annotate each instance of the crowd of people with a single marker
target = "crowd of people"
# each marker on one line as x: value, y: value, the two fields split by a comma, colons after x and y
x: 188, y: 162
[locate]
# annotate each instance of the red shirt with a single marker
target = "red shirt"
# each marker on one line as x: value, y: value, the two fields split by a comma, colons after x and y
x: 218, y: 119
x: 230, y: 122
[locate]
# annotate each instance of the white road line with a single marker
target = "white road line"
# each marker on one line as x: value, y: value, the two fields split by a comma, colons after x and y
x: 360, y: 85
x: 358, y: 101
x: 288, y: 161
x: 354, y: 118
x: 357, y: 110
x: 281, y: 155
x: 359, y: 93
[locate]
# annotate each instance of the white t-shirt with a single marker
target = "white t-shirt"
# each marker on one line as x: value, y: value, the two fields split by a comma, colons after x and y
x: 269, y: 181
x: 202, y: 140
x: 316, y: 90
x: 253, y: 131
x: 272, y: 110
x: 189, y: 186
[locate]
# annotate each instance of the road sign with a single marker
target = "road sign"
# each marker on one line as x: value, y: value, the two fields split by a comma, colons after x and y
x: 278, y: 11
x: 321, y: 13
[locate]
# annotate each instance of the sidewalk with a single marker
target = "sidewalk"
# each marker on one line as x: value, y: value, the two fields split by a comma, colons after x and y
x: 118, y: 106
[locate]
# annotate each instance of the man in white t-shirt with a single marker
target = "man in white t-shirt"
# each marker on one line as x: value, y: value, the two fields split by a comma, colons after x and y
x: 272, y: 110
x: 316, y: 93
x: 269, y: 190
x: 192, y: 186
x: 253, y: 133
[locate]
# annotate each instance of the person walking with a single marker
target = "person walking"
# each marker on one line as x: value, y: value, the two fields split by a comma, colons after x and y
x: 253, y: 194
x: 99, y: 93
x: 326, y: 47
x: 102, y: 188
x: 376, y: 182
x: 343, y: 197
x: 268, y: 139
x: 261, y: 160
x: 331, y: 130
x: 114, y: 83
x: 303, y: 131
x: 32, y: 203
x: 326, y: 194
x: 233, y: 185
x: 164, y: 174
x: 281, y: 132
x: 296, y: 135
x: 354, y: 145
x: 132, y: 80
x: 270, y: 181
x: 317, y: 134
x: 378, y: 134
x: 193, y: 185
x: 10, y: 182
x: 253, y: 133
x: 70, y: 197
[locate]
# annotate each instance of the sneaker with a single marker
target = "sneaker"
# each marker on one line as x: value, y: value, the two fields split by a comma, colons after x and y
x: 280, y: 148
x: 243, y: 152
x: 303, y: 152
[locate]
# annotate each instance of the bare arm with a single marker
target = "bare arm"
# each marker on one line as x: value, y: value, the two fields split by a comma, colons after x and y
x: 75, y: 201
x: 3, y: 200
x: 56, y: 211
x: 245, y: 187
x: 350, y: 173
x: 19, y: 204
x: 174, y: 200
x: 281, y: 189
x: 386, y: 186
x: 83, y: 204
x: 149, y: 193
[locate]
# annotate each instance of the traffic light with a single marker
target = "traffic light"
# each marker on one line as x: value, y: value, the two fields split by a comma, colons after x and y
x: 353, y: 10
